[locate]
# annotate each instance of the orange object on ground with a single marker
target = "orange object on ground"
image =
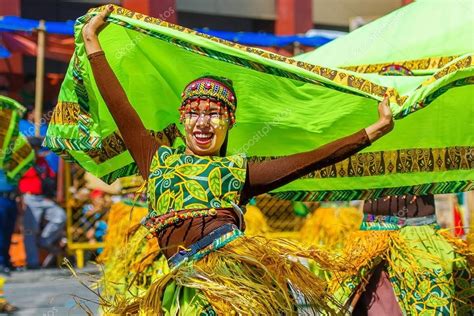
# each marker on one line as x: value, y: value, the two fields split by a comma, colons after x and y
x: 17, y: 251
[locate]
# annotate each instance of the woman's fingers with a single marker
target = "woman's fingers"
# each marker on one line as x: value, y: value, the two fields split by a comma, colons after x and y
x: 104, y: 14
x: 384, y: 108
x: 384, y: 103
x: 98, y: 21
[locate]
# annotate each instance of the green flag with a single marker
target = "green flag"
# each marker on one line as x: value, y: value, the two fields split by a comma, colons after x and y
x: 10, y: 113
x: 16, y: 154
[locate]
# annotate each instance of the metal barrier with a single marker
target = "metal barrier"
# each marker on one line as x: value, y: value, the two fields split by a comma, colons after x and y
x: 280, y: 214
x: 77, y: 225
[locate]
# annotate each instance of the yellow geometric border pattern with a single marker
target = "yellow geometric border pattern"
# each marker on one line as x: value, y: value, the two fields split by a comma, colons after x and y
x: 342, y: 78
x: 433, y: 63
x: 395, y: 162
x: 335, y: 76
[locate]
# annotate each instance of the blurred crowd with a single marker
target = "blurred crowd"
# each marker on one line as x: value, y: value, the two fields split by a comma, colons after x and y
x: 33, y: 212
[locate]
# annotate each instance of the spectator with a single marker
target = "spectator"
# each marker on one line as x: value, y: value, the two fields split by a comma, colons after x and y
x: 8, y: 213
x: 7, y: 220
x: 27, y: 127
x: 94, y: 216
x: 43, y: 220
x: 92, y: 212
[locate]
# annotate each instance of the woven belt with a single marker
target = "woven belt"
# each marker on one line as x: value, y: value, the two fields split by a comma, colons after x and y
x: 385, y: 222
x: 159, y: 223
x: 199, y: 245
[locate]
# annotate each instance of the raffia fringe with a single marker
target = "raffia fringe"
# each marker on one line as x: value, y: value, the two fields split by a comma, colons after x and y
x: 465, y: 248
x: 248, y: 276
x: 130, y: 260
x: 255, y: 222
x: 329, y: 227
x: 121, y: 219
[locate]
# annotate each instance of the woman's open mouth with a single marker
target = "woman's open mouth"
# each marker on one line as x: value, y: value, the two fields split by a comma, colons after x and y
x: 203, y: 138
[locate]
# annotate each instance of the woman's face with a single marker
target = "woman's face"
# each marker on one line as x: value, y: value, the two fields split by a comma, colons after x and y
x: 206, y: 127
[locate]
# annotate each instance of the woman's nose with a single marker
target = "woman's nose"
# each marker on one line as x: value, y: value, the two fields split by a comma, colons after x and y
x: 203, y: 119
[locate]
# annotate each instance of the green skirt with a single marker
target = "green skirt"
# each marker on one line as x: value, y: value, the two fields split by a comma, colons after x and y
x: 430, y: 271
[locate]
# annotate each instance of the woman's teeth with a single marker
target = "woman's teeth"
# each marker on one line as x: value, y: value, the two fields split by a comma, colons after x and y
x: 203, y: 138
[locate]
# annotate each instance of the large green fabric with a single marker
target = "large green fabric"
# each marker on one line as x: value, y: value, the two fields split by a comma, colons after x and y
x: 422, y: 37
x: 284, y: 107
x: 16, y: 154
x: 421, y: 30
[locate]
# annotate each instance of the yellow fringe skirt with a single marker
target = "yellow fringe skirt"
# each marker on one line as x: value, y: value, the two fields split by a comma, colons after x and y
x: 131, y: 261
x: 329, y: 226
x: 237, y: 274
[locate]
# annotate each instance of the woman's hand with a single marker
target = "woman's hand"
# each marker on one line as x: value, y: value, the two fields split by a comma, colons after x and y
x: 384, y: 124
x: 92, y: 28
x: 385, y: 115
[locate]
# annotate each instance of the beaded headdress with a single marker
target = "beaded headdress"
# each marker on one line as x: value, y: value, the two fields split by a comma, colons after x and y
x: 212, y: 90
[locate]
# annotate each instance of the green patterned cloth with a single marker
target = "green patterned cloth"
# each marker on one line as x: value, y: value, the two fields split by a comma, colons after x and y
x: 429, y: 274
x: 185, y: 301
x: 16, y: 154
x: 285, y: 106
x: 11, y: 113
x: 180, y: 181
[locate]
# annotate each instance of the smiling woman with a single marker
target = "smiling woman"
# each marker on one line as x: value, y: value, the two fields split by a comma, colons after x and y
x: 194, y: 192
x: 208, y: 112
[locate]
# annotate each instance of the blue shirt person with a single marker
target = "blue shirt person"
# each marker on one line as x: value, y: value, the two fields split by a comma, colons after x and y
x: 28, y: 129
x: 8, y: 213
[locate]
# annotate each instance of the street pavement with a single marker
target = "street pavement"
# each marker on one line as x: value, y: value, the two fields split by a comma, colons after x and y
x: 50, y: 292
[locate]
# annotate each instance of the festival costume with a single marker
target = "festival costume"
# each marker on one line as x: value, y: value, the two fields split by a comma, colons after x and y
x: 129, y: 273
x: 78, y: 131
x: 193, y: 214
x: 130, y: 276
x: 405, y: 263
x: 16, y: 153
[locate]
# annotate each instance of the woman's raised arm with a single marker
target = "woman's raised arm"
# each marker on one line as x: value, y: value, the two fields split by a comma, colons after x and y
x: 269, y: 175
x: 138, y: 140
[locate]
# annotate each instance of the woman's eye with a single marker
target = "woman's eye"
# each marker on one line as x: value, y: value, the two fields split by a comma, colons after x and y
x: 193, y: 114
x: 214, y: 114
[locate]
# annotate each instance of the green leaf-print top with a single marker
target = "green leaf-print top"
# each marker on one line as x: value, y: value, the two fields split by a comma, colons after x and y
x: 181, y: 181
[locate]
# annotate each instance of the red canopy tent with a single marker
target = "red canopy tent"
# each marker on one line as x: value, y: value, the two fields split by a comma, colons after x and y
x: 58, y: 47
